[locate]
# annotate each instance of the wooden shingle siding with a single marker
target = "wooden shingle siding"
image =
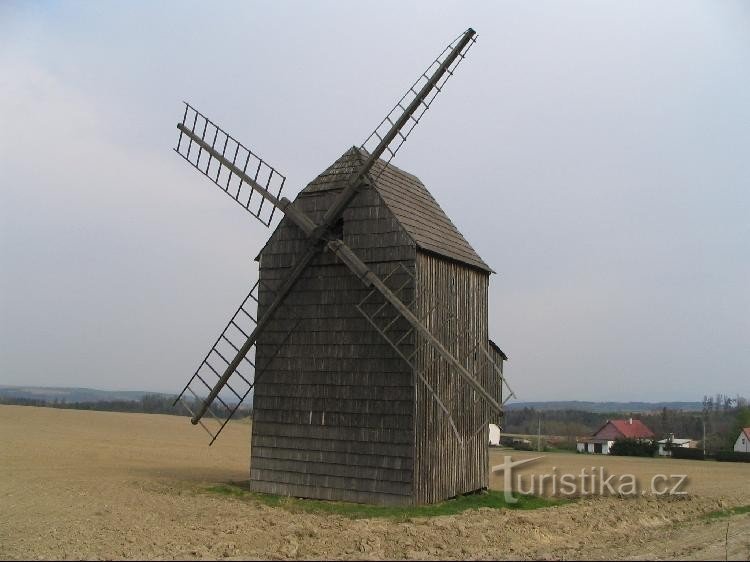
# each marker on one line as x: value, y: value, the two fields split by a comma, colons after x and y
x: 347, y: 405
x: 355, y: 436
x: 381, y: 455
x: 443, y: 467
x: 334, y: 457
x: 335, y: 391
x: 306, y: 477
x: 324, y: 493
x: 312, y: 465
x: 326, y: 382
x: 334, y: 408
x: 331, y: 419
x: 349, y: 367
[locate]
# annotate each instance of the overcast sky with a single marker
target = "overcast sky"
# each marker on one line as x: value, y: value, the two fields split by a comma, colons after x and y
x: 595, y: 154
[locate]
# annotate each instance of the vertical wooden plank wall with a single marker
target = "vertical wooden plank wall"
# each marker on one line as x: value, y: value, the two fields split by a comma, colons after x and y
x: 496, y: 384
x: 443, y: 466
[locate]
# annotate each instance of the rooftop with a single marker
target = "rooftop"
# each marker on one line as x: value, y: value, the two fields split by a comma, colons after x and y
x: 411, y: 204
x: 629, y: 428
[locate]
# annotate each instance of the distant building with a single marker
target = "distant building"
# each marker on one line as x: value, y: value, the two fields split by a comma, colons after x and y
x: 742, y: 445
x: 665, y: 450
x: 602, y: 440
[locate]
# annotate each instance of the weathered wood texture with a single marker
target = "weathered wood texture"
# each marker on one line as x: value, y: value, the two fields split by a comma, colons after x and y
x: 422, y: 217
x: 496, y: 381
x: 337, y: 412
x: 453, y: 301
x: 334, y: 409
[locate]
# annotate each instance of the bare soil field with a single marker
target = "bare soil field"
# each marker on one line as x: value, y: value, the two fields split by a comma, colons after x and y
x: 79, y: 484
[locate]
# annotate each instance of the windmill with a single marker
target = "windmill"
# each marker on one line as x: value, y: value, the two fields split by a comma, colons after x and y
x: 365, y: 338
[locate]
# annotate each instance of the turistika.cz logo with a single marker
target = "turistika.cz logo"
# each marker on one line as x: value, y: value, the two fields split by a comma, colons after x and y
x: 590, y: 481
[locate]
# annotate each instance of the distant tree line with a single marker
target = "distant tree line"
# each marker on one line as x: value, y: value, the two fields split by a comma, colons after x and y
x: 148, y: 404
x: 722, y: 415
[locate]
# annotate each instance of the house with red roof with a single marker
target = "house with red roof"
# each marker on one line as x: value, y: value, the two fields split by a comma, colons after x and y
x: 602, y: 440
x: 742, y: 445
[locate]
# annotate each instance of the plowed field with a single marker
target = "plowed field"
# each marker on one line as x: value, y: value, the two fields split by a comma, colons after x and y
x: 78, y: 484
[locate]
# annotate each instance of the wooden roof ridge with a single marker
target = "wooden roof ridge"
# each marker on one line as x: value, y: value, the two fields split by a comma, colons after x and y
x: 421, y: 216
x: 410, y: 202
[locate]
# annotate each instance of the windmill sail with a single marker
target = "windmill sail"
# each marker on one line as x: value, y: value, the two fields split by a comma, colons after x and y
x: 393, y: 131
x: 237, y: 170
x: 241, y: 381
x: 410, y: 108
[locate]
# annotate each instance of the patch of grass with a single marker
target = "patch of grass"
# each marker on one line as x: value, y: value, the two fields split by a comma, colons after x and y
x: 727, y: 512
x: 227, y: 490
x: 490, y: 499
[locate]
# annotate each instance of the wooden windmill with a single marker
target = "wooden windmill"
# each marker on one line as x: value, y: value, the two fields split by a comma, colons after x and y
x: 365, y: 339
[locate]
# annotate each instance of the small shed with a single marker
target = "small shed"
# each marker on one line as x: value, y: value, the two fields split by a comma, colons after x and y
x: 339, y: 413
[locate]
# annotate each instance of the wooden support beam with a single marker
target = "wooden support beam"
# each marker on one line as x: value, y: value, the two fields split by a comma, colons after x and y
x: 370, y: 279
x: 287, y: 207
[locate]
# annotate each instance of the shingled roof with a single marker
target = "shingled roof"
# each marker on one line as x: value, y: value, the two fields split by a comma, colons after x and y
x: 411, y: 204
x: 630, y: 428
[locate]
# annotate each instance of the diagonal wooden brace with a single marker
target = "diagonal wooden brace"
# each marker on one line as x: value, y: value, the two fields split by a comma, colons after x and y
x: 370, y: 279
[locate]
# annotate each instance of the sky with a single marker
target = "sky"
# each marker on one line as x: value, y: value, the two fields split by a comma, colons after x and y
x: 595, y: 154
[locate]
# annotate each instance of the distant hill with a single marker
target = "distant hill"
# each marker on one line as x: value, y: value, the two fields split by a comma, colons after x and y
x: 134, y: 401
x: 66, y: 394
x: 63, y: 394
x: 606, y: 407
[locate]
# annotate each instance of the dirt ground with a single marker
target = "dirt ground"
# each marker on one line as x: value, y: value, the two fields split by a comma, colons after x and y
x: 77, y: 484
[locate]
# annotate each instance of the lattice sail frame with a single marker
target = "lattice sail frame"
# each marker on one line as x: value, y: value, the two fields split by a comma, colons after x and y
x: 262, y: 174
x: 385, y: 125
x: 242, y: 381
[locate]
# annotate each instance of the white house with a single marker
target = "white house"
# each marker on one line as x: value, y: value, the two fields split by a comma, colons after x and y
x: 603, y: 439
x: 684, y: 443
x: 742, y: 445
x: 494, y: 434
